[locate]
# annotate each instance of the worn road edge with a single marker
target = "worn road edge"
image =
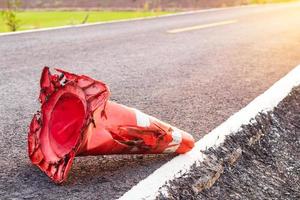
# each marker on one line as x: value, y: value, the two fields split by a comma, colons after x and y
x: 150, y: 187
x: 260, y: 161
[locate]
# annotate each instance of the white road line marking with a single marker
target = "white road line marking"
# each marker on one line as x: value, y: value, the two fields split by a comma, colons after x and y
x: 202, y: 26
x: 149, y: 187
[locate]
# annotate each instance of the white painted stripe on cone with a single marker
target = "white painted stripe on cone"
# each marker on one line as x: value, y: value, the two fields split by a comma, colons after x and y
x: 149, y: 187
x: 142, y: 119
x: 177, y: 138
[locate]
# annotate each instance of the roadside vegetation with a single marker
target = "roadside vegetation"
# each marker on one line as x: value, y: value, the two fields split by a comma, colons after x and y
x: 25, y: 20
x: 14, y: 19
x: 9, y: 16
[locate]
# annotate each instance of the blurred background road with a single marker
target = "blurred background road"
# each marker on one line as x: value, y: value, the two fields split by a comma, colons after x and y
x: 192, y: 70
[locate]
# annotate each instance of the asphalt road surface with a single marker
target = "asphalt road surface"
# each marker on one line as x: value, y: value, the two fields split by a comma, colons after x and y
x: 192, y: 70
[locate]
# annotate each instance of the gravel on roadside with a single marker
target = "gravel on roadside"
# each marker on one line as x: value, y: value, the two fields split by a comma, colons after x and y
x: 261, y: 161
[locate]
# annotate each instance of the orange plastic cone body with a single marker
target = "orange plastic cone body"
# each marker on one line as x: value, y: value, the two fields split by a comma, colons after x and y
x: 77, y: 119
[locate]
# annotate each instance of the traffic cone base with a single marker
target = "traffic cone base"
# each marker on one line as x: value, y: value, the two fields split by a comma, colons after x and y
x: 77, y: 119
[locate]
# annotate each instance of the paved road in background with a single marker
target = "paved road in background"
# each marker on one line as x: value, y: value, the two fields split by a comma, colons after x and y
x: 194, y: 78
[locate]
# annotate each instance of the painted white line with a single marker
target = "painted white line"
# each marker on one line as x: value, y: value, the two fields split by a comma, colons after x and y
x: 149, y: 187
x: 202, y: 26
x: 126, y: 20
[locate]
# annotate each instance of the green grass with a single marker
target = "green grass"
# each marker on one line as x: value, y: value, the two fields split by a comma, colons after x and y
x: 43, y: 19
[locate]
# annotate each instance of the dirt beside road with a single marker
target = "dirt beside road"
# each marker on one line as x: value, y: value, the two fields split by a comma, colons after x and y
x: 261, y: 161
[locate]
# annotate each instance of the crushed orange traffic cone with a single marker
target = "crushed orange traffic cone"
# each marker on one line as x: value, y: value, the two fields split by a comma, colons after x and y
x: 77, y: 119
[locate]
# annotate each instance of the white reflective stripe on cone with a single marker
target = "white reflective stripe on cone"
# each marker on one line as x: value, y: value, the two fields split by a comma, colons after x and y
x: 177, y: 138
x: 142, y: 119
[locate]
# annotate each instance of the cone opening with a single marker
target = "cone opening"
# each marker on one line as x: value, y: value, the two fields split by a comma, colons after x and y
x: 66, y: 121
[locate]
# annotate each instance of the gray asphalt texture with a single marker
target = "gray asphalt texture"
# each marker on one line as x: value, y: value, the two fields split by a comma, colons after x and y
x: 194, y: 80
x: 260, y: 161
